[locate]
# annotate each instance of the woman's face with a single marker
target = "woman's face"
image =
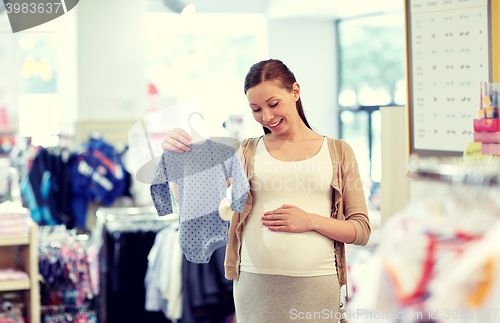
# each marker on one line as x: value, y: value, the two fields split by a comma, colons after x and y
x: 273, y: 106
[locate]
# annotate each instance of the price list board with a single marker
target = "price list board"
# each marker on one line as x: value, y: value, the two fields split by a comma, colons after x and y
x: 449, y: 54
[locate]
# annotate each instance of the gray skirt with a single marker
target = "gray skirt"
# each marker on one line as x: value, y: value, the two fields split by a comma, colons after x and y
x: 261, y: 298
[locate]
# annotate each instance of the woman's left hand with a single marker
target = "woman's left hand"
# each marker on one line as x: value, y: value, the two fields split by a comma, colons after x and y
x: 288, y: 218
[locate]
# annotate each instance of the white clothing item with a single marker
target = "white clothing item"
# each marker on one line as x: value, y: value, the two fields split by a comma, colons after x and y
x: 166, y: 265
x: 225, y: 211
x: 174, y: 306
x: 154, y: 301
x: 304, y: 184
x: 457, y: 285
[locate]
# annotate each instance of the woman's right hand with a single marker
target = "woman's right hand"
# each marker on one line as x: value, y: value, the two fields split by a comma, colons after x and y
x: 177, y: 140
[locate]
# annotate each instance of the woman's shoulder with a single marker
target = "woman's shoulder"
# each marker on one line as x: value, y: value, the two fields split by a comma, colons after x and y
x: 247, y: 141
x: 340, y: 145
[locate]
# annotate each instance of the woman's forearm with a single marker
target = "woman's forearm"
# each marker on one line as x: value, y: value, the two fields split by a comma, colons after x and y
x: 339, y: 230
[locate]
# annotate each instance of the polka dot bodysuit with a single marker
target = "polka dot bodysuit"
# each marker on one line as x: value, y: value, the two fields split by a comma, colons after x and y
x: 201, y: 176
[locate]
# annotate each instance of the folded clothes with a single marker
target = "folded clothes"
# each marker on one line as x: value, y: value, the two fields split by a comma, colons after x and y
x: 21, y: 232
x: 14, y: 229
x: 12, y: 274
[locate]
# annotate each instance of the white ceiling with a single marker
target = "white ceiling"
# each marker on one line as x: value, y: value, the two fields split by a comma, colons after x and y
x: 282, y: 9
x: 330, y: 9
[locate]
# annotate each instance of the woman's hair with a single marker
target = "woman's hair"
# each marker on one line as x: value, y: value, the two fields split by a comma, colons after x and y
x: 273, y: 70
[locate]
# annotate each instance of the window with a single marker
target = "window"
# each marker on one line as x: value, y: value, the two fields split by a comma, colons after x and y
x: 372, y: 74
x: 372, y: 61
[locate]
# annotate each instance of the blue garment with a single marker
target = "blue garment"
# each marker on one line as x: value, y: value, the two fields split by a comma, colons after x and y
x: 47, y: 189
x: 97, y: 175
x: 201, y: 175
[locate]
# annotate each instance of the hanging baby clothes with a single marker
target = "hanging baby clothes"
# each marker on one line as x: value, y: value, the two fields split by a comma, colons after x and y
x: 97, y: 175
x: 163, y: 279
x: 47, y: 188
x: 201, y: 175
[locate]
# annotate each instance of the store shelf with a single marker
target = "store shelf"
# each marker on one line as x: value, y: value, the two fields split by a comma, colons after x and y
x: 27, y: 253
x: 10, y: 285
x: 14, y: 240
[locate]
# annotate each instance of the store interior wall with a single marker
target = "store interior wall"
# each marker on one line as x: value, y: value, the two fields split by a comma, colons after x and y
x: 395, y: 185
x: 111, y: 81
x: 307, y: 47
x: 100, y: 57
x: 67, y: 57
x: 10, y: 65
x: 111, y: 59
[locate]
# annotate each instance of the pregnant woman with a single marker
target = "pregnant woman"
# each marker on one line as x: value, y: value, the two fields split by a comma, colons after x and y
x: 286, y: 251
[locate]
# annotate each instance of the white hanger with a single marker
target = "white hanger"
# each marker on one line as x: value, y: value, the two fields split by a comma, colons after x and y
x: 195, y: 136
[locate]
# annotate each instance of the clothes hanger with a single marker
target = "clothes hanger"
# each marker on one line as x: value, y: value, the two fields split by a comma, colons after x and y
x: 196, y: 138
x: 146, y: 173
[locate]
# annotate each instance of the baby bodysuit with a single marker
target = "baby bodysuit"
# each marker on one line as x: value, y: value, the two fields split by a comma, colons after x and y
x: 201, y: 176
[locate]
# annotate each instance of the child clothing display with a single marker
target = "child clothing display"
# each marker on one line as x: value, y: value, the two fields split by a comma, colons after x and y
x: 201, y: 175
x: 438, y: 257
x: 97, y: 175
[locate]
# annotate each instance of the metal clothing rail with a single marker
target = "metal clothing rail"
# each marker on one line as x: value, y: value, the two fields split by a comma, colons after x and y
x: 455, y: 170
x: 110, y: 225
x: 132, y: 219
x: 132, y: 214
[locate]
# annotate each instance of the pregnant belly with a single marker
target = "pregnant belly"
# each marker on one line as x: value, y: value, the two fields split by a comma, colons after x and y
x: 287, y: 251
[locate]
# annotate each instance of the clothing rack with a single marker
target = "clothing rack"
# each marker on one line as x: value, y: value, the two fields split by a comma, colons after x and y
x: 446, y: 238
x: 455, y: 170
x: 113, y: 230
x: 110, y: 214
x: 134, y: 219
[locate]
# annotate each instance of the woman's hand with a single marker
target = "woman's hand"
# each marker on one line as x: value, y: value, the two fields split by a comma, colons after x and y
x: 288, y: 218
x: 177, y: 140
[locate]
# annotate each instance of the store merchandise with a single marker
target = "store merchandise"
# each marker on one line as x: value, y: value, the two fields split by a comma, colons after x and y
x: 11, y: 307
x: 163, y: 279
x: 184, y: 290
x: 207, y: 294
x: 487, y: 123
x: 65, y: 268
x: 12, y: 274
x: 201, y: 175
x: 47, y: 188
x: 66, y: 314
x: 440, y: 253
x: 23, y: 156
x: 127, y: 241
x: 14, y: 219
x: 96, y: 175
x: 148, y: 275
x: 58, y: 185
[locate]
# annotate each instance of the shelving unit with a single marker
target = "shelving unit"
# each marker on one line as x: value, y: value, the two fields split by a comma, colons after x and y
x: 28, y: 248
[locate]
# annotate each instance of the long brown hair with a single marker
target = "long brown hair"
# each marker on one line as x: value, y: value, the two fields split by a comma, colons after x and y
x: 269, y: 70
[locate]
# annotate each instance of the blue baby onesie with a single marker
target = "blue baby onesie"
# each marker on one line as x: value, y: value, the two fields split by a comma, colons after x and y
x: 201, y: 176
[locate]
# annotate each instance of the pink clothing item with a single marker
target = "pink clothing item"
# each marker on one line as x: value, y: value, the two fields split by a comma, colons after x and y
x: 12, y: 274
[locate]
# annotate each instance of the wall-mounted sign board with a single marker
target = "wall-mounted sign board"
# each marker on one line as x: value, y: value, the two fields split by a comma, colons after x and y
x: 448, y: 54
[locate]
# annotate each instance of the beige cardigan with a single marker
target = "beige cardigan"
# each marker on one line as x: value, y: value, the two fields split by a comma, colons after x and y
x: 348, y: 204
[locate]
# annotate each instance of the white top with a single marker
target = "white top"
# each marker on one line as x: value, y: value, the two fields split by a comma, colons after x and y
x: 305, y: 184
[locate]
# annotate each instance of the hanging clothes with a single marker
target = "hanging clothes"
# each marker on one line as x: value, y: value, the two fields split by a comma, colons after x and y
x: 439, y: 256
x: 163, y: 281
x: 207, y: 294
x: 124, y: 254
x: 183, y: 290
x: 64, y: 267
x: 201, y: 175
x: 97, y: 175
x: 47, y: 188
